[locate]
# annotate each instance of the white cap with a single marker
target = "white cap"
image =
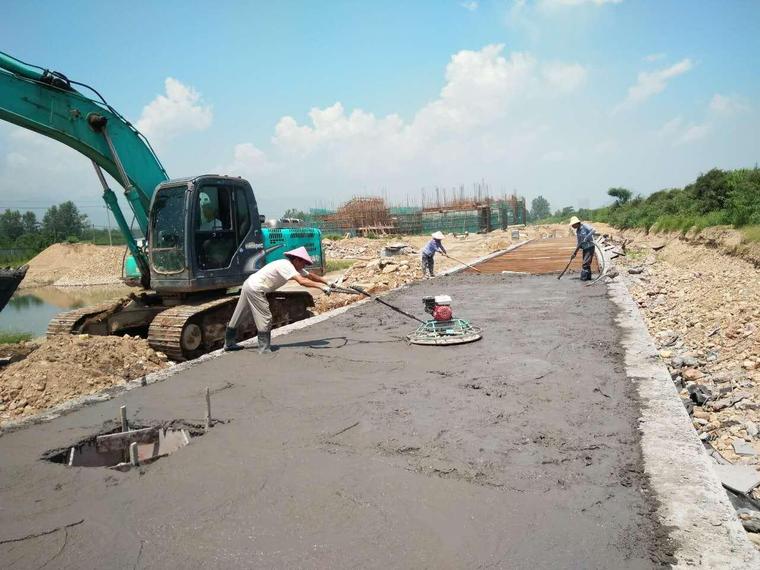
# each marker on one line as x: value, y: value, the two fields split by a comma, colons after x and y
x: 437, y: 235
x: 574, y: 220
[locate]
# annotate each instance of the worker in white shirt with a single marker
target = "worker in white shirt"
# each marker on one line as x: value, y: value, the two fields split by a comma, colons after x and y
x: 253, y: 295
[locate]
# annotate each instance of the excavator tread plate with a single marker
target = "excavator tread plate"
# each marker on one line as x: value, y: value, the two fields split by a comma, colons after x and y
x: 165, y: 333
x: 64, y: 323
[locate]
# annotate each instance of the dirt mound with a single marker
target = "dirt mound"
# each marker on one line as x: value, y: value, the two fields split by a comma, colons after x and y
x: 75, y: 264
x: 66, y: 367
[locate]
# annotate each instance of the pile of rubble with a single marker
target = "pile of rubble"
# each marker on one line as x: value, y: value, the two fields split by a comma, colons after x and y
x: 352, y: 248
x: 375, y: 276
x: 67, y: 366
x: 703, y: 309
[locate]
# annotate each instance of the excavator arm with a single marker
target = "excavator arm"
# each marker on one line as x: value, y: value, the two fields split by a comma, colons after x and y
x: 47, y: 103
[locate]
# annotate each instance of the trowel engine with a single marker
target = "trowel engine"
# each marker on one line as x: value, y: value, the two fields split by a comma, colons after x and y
x: 439, y: 307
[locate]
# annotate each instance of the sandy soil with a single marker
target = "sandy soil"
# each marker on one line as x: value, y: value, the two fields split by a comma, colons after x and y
x: 348, y: 448
x: 65, y: 265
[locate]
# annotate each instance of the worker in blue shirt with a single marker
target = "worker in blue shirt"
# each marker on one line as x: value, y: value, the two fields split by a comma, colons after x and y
x: 585, y: 236
x: 433, y: 246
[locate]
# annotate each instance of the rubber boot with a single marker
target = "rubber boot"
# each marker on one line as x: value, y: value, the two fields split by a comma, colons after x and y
x: 265, y: 342
x: 230, y: 338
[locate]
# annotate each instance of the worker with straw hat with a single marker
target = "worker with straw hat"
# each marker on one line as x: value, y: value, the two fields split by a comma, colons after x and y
x: 585, y: 235
x: 253, y: 295
x: 429, y: 251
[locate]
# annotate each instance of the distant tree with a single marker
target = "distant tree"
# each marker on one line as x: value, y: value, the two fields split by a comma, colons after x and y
x: 540, y: 208
x: 29, y: 220
x: 11, y: 225
x: 63, y: 222
x: 294, y: 213
x: 567, y: 211
x: 621, y: 195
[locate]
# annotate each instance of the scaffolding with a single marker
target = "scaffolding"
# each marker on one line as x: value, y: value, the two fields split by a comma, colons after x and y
x: 448, y: 213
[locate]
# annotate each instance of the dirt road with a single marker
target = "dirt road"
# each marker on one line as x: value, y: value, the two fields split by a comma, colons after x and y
x: 348, y: 448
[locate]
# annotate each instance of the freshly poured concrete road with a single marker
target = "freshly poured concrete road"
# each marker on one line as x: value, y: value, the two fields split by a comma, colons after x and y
x: 348, y: 448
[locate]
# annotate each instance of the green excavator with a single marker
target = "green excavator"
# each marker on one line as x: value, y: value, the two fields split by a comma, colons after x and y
x: 203, y: 235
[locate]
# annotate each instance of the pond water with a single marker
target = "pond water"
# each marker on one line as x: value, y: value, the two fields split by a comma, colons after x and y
x: 30, y: 310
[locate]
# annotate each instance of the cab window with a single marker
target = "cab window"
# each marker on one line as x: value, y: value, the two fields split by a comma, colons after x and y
x: 221, y: 222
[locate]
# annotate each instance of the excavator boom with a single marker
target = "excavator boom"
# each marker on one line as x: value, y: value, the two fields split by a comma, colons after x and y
x: 47, y: 103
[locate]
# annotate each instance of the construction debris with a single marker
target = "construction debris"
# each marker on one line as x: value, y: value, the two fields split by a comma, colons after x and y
x: 67, y: 366
x: 702, y: 307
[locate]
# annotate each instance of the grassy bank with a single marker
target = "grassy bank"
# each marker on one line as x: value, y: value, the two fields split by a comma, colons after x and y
x: 12, y: 337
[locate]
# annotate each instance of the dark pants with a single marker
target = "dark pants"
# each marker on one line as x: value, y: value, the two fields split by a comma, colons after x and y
x: 588, y: 257
x: 427, y: 265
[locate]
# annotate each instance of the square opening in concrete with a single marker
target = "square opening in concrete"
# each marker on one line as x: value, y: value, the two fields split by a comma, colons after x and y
x: 122, y: 450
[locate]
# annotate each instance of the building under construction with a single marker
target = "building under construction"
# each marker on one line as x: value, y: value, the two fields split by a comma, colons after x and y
x: 371, y: 215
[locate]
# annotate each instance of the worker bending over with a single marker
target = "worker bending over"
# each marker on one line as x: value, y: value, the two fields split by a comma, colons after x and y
x: 585, y: 236
x: 269, y: 278
x: 429, y: 251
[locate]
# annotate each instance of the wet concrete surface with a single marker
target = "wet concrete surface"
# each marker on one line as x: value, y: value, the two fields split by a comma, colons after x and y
x: 349, y: 448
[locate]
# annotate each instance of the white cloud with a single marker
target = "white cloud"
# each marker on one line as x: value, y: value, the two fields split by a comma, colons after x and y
x: 670, y: 128
x: 490, y: 114
x: 179, y: 111
x: 565, y: 77
x: 655, y: 57
x: 480, y: 87
x: 679, y: 132
x: 651, y: 83
x: 727, y: 104
x: 250, y: 160
x: 471, y: 5
x: 693, y: 133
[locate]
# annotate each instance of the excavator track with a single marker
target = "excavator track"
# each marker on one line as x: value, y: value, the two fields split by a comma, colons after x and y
x: 188, y: 331
x: 68, y: 322
x: 166, y: 331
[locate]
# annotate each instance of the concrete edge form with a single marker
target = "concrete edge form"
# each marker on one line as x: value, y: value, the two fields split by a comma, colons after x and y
x: 161, y: 375
x: 692, y: 503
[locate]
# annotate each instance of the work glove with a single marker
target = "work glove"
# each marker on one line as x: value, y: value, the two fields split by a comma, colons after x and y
x: 332, y: 284
x: 327, y: 290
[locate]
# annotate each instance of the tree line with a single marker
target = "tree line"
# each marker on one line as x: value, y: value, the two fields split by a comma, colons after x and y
x: 60, y: 223
x: 717, y: 197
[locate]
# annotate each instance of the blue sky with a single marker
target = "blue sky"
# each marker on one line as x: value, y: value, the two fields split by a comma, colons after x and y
x: 314, y: 102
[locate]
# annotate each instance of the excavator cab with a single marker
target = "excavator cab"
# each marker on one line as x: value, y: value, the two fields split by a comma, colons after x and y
x: 204, y: 234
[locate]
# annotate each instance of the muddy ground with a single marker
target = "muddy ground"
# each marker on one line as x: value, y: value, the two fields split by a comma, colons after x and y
x: 348, y: 448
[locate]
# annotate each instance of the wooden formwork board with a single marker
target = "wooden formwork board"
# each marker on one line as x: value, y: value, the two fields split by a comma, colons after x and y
x: 538, y: 257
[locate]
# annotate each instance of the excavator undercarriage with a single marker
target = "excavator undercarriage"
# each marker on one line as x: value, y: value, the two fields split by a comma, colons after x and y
x: 181, y: 328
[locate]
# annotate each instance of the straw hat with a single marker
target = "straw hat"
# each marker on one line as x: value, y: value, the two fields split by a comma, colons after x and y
x: 300, y: 253
x: 437, y: 235
x: 574, y: 220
